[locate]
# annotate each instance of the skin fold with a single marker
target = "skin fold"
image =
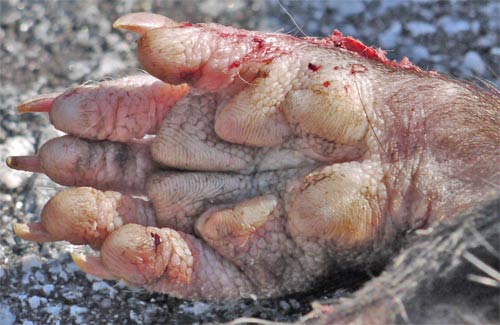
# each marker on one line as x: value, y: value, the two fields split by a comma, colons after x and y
x: 255, y: 164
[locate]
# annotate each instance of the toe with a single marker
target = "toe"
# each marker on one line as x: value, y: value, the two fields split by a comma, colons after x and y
x: 164, y: 260
x: 117, y: 110
x: 104, y: 165
x: 209, y: 56
x: 86, y: 216
x: 140, y: 255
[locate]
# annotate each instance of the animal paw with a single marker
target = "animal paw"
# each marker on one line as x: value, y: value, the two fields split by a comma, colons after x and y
x: 256, y: 164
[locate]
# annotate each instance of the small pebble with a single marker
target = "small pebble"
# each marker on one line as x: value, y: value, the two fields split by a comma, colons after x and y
x: 453, y: 26
x: 474, y: 63
x: 419, y: 53
x: 195, y: 307
x: 349, y: 8
x: 495, y: 51
x: 34, y: 302
x: 77, y: 313
x: 48, y: 288
x: 54, y: 310
x: 135, y: 317
x: 388, y: 39
x: 418, y: 28
x: 31, y: 261
x: 7, y: 317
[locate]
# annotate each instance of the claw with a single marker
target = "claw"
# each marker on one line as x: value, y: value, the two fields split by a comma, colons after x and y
x: 26, y: 163
x: 35, y: 232
x: 41, y: 103
x: 92, y: 265
x: 141, y: 22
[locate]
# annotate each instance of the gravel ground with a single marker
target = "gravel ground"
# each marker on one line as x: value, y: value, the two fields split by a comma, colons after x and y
x: 49, y: 45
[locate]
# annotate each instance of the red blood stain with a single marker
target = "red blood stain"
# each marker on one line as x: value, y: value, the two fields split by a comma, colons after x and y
x: 358, y: 68
x: 259, y: 41
x: 353, y: 45
x: 346, y: 88
x: 313, y: 67
x: 186, y: 24
x: 262, y: 50
x: 234, y: 64
x: 157, y: 240
x: 267, y: 48
x: 326, y: 83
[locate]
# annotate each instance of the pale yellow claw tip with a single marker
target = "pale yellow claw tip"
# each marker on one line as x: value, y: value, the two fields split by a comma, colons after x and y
x: 141, y: 22
x: 20, y: 229
x: 41, y: 103
x: 80, y: 260
x: 92, y: 265
x: 35, y: 232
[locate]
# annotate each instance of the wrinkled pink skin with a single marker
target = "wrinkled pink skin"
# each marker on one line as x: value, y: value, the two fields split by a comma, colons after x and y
x: 275, y: 162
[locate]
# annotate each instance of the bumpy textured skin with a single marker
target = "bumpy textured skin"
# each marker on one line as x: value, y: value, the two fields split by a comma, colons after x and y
x: 458, y: 287
x: 275, y: 163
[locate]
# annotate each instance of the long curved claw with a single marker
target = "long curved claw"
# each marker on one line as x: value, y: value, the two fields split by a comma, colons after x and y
x: 25, y: 163
x: 141, y: 22
x: 92, y: 265
x: 41, y: 103
x: 35, y: 232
